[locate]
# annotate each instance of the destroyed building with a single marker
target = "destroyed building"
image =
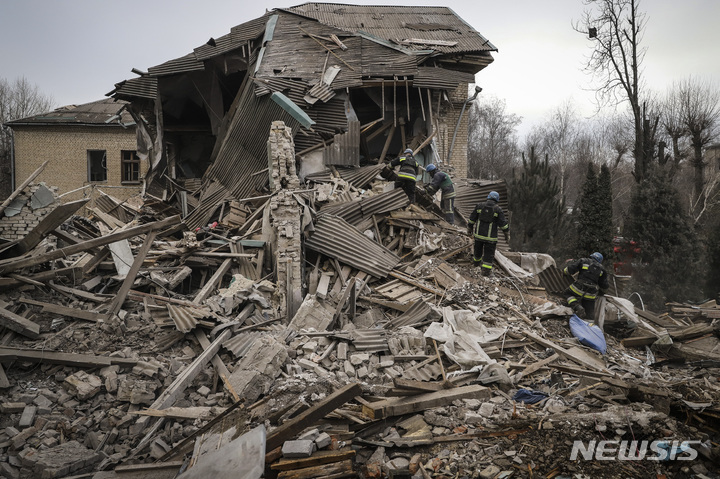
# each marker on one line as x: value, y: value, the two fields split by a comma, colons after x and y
x: 356, y: 84
x: 320, y: 327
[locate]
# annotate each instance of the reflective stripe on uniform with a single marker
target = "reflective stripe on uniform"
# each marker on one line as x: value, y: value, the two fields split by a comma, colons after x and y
x: 582, y: 294
x: 409, y: 177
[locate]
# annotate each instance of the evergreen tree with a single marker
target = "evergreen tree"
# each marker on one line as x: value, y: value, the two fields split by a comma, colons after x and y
x: 669, y: 248
x: 587, y: 216
x: 594, y: 223
x: 605, y: 213
x: 712, y: 286
x: 538, y: 211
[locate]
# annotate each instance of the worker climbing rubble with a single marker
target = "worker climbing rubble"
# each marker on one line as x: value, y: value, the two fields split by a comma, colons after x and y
x: 592, y: 279
x: 442, y: 181
x: 483, y: 225
x: 407, y: 175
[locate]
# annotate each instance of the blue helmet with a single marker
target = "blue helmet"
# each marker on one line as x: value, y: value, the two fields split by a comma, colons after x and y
x: 407, y: 150
x: 494, y: 195
x: 430, y: 168
x: 597, y: 257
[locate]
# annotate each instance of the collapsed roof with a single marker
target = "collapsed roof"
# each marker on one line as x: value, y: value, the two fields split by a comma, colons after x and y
x: 355, y: 84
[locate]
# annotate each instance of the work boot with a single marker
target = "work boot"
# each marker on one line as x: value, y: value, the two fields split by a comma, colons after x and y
x: 486, y: 272
x: 579, y: 310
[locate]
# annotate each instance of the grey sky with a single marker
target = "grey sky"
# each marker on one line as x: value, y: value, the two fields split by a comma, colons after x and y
x: 76, y: 50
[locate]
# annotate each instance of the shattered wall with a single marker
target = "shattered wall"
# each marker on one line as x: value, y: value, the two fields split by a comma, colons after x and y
x: 285, y: 218
x: 18, y: 225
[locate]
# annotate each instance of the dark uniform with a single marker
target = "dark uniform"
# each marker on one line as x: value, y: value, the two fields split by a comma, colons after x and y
x: 407, y: 176
x: 484, y: 222
x: 441, y: 181
x: 591, y: 280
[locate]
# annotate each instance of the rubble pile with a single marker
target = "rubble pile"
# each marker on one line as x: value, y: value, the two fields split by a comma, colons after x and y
x: 328, y: 329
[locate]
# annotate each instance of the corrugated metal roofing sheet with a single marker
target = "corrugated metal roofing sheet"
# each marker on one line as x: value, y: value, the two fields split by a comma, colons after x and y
x: 430, y: 77
x: 244, y: 148
x: 188, y: 63
x: 293, y: 53
x: 358, y: 177
x: 355, y: 211
x: 395, y: 23
x: 184, y: 318
x: 335, y: 238
x: 415, y: 314
x: 94, y: 113
x: 142, y: 87
x: 553, y: 280
x: 345, y: 148
x: 240, y: 344
x: 475, y: 191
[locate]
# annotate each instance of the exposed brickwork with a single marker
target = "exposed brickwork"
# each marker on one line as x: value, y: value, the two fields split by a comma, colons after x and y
x: 18, y: 226
x: 66, y: 148
x: 285, y: 217
x: 448, y: 118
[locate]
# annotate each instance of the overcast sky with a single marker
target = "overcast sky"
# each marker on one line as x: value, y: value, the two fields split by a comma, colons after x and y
x: 76, y: 50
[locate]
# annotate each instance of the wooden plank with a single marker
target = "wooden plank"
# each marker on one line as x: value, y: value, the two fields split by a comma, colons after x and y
x: 44, y: 276
x: 122, y: 293
x: 4, y: 382
x: 311, y: 415
x: 328, y: 471
x: 408, y: 280
x: 80, y: 293
x: 149, y: 467
x: 317, y: 459
x: 562, y: 351
x: 534, y: 367
x: 17, y: 323
x: 53, y: 357
x: 179, y: 412
x: 12, y: 265
x: 220, y: 367
x: 418, y: 385
x: 405, y: 405
x: 212, y: 282
x: 65, y: 311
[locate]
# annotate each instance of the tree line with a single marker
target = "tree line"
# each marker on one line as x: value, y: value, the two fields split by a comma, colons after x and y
x: 647, y: 172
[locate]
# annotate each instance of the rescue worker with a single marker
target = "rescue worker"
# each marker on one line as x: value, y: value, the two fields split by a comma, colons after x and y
x: 592, y: 279
x: 441, y: 181
x: 407, y: 175
x: 484, y: 222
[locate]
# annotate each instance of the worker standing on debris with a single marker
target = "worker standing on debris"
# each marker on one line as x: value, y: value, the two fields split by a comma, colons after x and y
x: 592, y: 280
x: 442, y: 181
x: 407, y: 176
x: 483, y: 225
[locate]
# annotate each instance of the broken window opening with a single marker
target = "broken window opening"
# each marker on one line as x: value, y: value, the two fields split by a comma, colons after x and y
x: 129, y: 166
x: 97, y: 165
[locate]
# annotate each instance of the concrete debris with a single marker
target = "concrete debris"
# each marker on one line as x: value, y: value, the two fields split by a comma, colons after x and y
x: 400, y: 364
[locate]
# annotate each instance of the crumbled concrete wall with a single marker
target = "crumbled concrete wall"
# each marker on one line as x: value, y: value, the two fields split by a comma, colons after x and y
x: 18, y: 226
x: 286, y: 221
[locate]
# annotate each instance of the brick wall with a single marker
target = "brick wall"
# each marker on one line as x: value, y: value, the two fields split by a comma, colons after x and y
x: 18, y: 226
x: 66, y: 148
x: 447, y: 119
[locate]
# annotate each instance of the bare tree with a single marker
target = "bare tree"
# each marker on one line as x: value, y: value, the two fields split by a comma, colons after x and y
x: 18, y: 99
x: 615, y: 27
x: 492, y: 140
x: 674, y: 128
x: 700, y: 113
x: 561, y: 140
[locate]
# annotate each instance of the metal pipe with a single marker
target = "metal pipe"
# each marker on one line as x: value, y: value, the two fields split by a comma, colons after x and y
x: 452, y: 143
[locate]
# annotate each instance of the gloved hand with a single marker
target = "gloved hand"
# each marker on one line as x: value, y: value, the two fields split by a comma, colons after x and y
x: 470, y: 230
x: 507, y: 236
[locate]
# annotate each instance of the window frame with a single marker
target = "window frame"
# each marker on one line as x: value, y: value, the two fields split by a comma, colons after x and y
x: 133, y: 159
x: 103, y: 164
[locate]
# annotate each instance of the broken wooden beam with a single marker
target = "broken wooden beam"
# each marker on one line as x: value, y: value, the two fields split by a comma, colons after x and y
x: 308, y: 417
x: 72, y: 271
x: 17, y: 323
x: 405, y: 405
x: 122, y: 293
x: 65, y: 359
x: 65, y: 311
x: 318, y: 458
x: 12, y: 265
x: 20, y: 188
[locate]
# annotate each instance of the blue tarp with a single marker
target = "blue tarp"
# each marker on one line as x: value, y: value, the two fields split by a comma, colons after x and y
x: 589, y: 334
